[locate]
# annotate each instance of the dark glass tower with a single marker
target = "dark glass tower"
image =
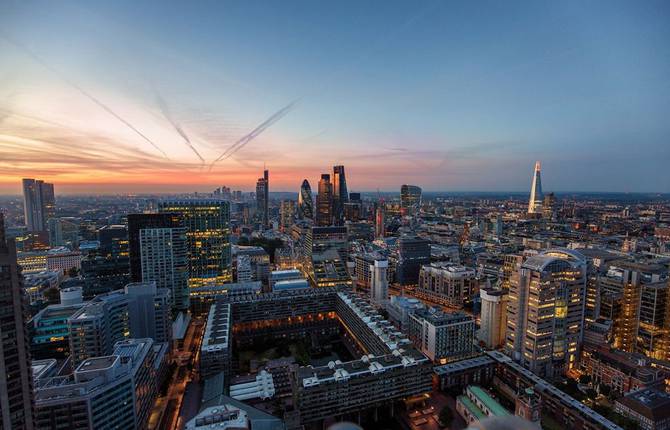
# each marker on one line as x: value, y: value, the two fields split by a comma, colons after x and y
x: 262, y: 197
x: 305, y: 201
x: 324, y: 202
x: 38, y: 204
x: 340, y: 194
x: 16, y: 383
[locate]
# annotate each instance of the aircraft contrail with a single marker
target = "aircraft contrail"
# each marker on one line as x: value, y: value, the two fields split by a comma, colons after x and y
x: 255, y: 133
x: 81, y: 90
x: 166, y: 112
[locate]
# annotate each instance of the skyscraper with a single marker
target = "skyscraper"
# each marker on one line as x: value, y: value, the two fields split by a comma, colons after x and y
x: 158, y: 252
x: 305, y: 202
x: 38, y: 204
x: 262, y: 197
x: 380, y: 227
x: 379, y: 284
x: 545, y: 312
x: 324, y: 202
x: 340, y: 194
x: 410, y: 197
x: 16, y: 390
x: 535, y: 202
x: 207, y: 223
x: 493, y: 316
x: 286, y: 215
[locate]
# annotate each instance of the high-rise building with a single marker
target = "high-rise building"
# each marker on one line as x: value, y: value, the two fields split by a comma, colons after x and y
x: 324, y: 202
x: 340, y: 194
x: 113, y: 241
x: 379, y: 283
x: 64, y: 232
x: 413, y: 252
x: 545, y: 312
x: 305, y: 202
x: 207, y: 223
x: 548, y: 206
x: 16, y: 383
x: 380, y: 226
x: 262, y: 198
x: 158, y: 253
x: 410, y: 197
x: 39, y: 204
x: 286, y: 215
x: 493, y: 316
x: 536, y: 197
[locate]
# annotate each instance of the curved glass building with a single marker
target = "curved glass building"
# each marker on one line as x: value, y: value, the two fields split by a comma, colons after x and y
x: 305, y: 203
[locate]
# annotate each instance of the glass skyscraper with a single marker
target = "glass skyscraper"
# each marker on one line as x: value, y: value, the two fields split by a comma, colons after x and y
x: 305, y: 202
x: 207, y: 223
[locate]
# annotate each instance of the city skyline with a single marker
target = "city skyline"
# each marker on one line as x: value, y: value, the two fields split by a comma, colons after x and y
x: 205, y: 96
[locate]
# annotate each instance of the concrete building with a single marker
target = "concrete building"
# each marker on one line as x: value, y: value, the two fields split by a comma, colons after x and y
x: 39, y: 204
x: 159, y: 253
x: 448, y: 284
x: 379, y: 286
x: 16, y: 395
x: 149, y: 311
x: 443, y: 337
x: 400, y: 308
x: 493, y: 317
x: 215, y: 349
x: 649, y: 407
x: 62, y: 260
x: 108, y: 392
x: 244, y: 273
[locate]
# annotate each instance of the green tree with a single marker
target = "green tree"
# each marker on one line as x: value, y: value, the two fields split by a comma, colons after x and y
x: 446, y: 416
x: 52, y: 295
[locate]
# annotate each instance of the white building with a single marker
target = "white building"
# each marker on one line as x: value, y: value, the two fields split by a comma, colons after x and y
x: 493, y: 317
x: 379, y: 286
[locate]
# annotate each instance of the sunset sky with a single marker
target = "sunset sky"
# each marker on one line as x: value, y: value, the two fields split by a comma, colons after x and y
x: 450, y: 96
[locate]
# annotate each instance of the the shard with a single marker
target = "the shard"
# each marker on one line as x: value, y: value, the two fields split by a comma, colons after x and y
x: 535, y: 202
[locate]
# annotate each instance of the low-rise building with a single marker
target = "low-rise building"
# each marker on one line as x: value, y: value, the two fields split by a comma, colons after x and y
x: 447, y: 284
x: 650, y: 408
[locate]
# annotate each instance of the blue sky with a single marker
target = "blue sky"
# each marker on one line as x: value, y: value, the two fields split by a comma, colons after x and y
x: 447, y: 95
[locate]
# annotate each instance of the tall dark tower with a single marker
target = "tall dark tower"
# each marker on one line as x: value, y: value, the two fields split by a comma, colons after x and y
x: 305, y: 202
x: 262, y: 197
x: 324, y: 202
x: 340, y: 194
x: 16, y: 383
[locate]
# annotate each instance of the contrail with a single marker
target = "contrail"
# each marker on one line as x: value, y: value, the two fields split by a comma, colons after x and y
x: 255, y: 132
x: 81, y: 90
x: 166, y: 112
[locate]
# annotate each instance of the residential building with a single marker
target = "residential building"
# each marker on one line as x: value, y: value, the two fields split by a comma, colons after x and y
x: 448, y: 284
x: 443, y: 337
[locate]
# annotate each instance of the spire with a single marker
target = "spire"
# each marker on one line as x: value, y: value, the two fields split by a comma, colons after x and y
x: 535, y: 201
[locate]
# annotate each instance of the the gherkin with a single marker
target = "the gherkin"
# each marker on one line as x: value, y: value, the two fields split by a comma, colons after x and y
x: 305, y: 203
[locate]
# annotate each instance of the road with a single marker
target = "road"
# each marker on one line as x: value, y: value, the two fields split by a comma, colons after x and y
x: 166, y: 413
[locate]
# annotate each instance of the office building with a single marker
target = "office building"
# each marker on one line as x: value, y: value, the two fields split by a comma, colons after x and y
x: 410, y: 198
x: 284, y: 275
x: 113, y: 241
x: 109, y: 392
x: 443, y: 337
x: 545, y: 312
x: 448, y: 284
x: 650, y: 408
x: 286, y: 215
x: 325, y: 256
x: 207, y: 225
x: 139, y: 310
x: 493, y: 317
x: 380, y: 223
x: 16, y: 384
x: 158, y: 253
x: 400, y: 308
x: 536, y: 196
x: 305, y: 201
x: 413, y: 252
x: 379, y: 284
x: 39, y: 204
x: 324, y: 202
x: 63, y: 260
x: 262, y: 198
x: 340, y: 194
x: 64, y: 231
x: 244, y: 273
x: 104, y: 274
